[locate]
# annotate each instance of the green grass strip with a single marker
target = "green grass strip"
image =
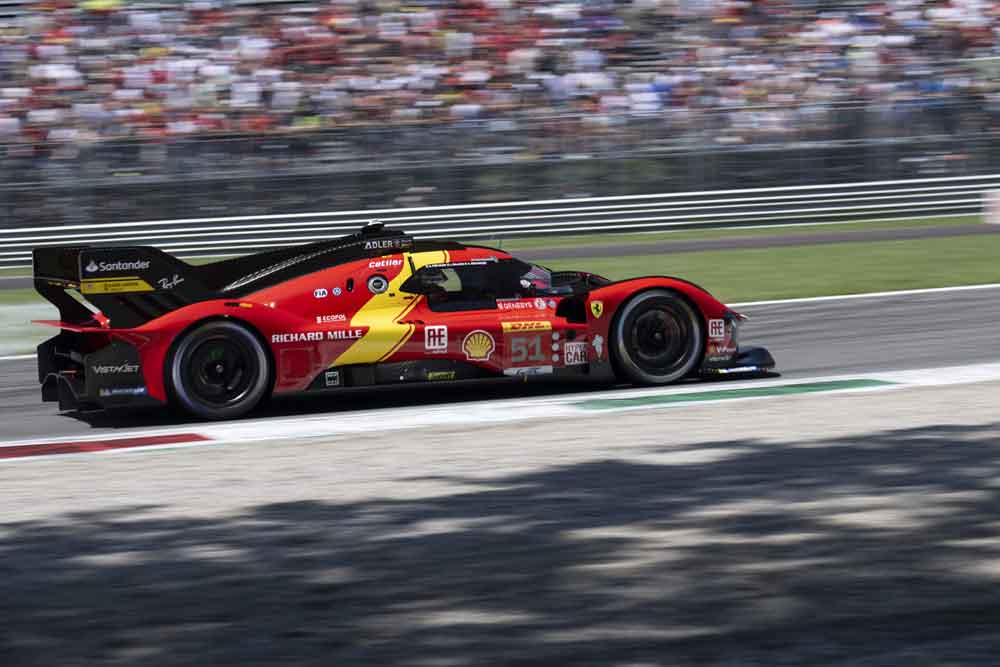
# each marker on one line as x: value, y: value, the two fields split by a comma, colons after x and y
x: 641, y: 238
x: 727, y: 394
x: 754, y: 274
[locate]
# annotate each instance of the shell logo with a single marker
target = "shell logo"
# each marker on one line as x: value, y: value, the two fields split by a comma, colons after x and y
x: 478, y: 345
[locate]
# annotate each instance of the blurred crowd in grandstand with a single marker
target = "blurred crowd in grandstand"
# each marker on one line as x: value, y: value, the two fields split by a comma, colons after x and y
x: 104, y: 69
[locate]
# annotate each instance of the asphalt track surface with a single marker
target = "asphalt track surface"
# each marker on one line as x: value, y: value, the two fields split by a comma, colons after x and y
x: 839, y: 529
x: 807, y: 339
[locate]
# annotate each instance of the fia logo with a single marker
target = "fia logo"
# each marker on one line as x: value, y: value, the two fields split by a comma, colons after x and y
x: 321, y: 293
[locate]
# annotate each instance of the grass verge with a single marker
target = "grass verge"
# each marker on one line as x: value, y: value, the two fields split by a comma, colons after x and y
x: 17, y: 334
x: 532, y: 243
x: 583, y: 240
x: 798, y: 271
x: 10, y: 297
x: 802, y: 271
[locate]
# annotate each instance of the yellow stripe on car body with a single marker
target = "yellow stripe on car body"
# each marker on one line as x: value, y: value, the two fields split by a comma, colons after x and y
x: 383, y: 312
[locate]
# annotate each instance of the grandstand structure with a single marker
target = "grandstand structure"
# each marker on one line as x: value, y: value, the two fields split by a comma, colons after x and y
x: 125, y: 110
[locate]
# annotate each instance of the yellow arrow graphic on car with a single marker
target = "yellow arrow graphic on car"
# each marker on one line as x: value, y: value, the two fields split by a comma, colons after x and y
x: 382, y: 314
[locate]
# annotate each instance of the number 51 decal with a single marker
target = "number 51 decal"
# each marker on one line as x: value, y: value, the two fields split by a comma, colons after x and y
x: 524, y: 349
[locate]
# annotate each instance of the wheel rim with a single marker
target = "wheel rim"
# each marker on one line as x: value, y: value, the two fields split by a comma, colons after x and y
x: 659, y: 339
x: 220, y: 371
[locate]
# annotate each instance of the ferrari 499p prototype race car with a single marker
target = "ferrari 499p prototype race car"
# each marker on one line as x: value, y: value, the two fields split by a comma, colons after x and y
x: 140, y: 327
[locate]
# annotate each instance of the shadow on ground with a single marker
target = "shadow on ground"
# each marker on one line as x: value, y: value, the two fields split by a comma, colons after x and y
x: 381, y: 397
x: 879, y: 551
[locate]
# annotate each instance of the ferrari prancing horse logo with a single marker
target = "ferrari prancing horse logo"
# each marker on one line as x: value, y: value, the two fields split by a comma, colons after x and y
x: 597, y: 308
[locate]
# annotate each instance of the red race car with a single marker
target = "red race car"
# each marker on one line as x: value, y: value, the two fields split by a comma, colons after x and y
x: 141, y: 327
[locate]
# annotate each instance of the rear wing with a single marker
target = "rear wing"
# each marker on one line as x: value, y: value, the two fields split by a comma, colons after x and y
x: 128, y: 285
x: 131, y: 285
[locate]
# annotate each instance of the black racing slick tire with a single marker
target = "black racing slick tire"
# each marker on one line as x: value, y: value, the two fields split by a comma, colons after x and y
x: 657, y: 338
x: 219, y: 370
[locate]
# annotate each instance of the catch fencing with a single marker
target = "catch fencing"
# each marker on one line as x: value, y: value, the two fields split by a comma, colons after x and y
x: 726, y: 209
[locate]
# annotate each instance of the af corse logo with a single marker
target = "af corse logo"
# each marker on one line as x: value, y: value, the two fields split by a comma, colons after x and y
x: 716, y: 329
x: 436, y: 338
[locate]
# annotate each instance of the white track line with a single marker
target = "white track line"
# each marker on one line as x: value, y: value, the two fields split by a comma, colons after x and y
x: 496, y: 411
x: 547, y: 407
x: 868, y: 295
x: 17, y: 357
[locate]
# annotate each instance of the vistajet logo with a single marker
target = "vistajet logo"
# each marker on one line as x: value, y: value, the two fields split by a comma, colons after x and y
x: 122, y: 369
x: 106, y: 267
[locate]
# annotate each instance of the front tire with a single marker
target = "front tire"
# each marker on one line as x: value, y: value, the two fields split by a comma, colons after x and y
x: 657, y: 338
x: 219, y: 370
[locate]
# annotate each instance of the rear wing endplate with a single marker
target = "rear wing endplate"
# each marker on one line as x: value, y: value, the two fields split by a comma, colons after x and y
x: 129, y: 285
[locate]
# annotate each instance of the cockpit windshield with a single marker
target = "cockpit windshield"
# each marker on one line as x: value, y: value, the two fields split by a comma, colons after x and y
x: 537, y: 277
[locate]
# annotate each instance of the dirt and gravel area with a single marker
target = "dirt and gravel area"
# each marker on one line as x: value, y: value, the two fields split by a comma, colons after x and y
x: 838, y: 529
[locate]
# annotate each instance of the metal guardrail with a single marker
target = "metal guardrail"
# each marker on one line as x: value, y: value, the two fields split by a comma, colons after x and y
x: 734, y: 208
x: 966, y: 125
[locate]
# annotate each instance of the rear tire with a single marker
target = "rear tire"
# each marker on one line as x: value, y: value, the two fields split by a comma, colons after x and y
x: 657, y: 338
x: 219, y: 370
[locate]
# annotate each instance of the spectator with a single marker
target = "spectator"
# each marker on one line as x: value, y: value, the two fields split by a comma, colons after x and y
x: 741, y: 69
